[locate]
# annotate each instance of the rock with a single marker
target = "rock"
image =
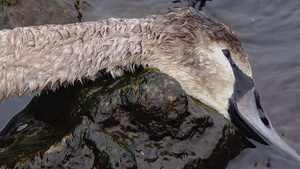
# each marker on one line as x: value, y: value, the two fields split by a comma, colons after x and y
x: 16, y: 13
x: 139, y: 120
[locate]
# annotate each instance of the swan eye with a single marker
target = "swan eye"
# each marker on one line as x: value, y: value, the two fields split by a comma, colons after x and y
x: 226, y: 53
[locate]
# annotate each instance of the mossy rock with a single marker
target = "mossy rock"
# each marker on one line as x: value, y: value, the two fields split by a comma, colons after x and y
x: 139, y: 120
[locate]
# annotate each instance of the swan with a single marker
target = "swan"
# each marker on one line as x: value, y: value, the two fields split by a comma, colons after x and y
x: 204, y: 56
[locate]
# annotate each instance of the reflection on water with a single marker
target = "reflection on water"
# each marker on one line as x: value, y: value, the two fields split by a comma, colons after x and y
x: 270, y: 33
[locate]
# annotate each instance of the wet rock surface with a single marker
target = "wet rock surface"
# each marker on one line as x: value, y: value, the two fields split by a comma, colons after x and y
x: 16, y: 13
x: 140, y: 120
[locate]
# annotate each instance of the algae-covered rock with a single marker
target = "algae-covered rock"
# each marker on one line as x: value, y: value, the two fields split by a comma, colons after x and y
x: 140, y: 120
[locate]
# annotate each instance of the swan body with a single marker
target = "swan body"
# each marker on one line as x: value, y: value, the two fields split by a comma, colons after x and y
x: 182, y: 43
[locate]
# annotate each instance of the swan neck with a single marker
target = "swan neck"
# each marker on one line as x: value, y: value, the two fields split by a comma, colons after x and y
x: 38, y: 57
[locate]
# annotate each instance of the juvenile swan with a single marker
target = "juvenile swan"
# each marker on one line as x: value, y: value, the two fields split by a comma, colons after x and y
x: 204, y: 56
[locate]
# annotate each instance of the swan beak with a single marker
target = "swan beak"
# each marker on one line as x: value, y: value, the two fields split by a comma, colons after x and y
x: 247, y: 114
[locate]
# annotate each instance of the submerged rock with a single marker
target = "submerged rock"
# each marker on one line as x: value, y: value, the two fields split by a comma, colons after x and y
x: 140, y: 120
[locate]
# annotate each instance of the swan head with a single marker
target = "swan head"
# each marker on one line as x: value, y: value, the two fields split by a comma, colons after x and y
x: 211, y: 65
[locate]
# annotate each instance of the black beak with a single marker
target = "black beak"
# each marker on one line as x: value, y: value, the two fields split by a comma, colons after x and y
x: 247, y: 113
x: 248, y: 105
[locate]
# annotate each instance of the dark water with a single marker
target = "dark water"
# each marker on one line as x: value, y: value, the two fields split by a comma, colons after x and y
x: 270, y: 32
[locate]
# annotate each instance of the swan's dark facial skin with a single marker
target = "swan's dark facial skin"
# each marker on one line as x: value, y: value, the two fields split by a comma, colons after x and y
x: 247, y: 113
